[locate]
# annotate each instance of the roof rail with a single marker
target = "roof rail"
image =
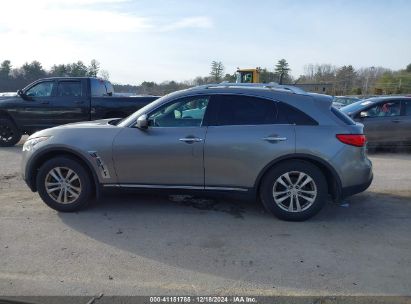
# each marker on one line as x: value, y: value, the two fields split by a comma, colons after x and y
x: 271, y: 86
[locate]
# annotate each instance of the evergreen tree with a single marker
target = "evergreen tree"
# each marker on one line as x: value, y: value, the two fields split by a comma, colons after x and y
x: 217, y: 71
x: 282, y: 70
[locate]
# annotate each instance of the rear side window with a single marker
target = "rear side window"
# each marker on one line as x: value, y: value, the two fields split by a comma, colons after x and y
x: 69, y: 89
x: 407, y: 106
x: 342, y: 116
x: 98, y: 88
x: 243, y: 110
x: 289, y: 115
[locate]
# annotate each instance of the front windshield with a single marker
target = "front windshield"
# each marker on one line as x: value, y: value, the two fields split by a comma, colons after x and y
x: 356, y: 106
x: 345, y: 100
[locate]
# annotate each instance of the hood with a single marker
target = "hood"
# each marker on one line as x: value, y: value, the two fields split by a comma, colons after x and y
x: 8, y: 94
x: 80, y: 128
x: 91, y: 124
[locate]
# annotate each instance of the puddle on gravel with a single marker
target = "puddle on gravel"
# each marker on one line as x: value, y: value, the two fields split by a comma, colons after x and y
x: 233, y: 209
x: 8, y: 177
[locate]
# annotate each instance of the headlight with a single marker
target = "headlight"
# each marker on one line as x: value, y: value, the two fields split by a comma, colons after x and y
x: 32, y: 142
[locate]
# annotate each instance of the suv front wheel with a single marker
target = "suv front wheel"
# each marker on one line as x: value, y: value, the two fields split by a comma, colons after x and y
x: 64, y: 184
x: 294, y: 190
x: 9, y: 134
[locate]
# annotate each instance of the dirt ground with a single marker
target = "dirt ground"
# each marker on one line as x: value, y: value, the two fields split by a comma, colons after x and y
x: 133, y: 244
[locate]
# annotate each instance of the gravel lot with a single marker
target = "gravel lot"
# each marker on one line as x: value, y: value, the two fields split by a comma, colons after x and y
x: 150, y: 245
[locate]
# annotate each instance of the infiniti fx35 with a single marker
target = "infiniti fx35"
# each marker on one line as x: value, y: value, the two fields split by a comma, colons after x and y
x: 288, y: 148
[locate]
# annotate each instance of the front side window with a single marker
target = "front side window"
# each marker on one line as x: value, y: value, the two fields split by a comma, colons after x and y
x: 185, y: 112
x: 244, y: 110
x: 69, y: 89
x: 383, y: 109
x: 42, y: 89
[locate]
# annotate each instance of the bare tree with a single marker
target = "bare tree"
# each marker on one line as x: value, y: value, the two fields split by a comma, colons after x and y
x: 104, y: 74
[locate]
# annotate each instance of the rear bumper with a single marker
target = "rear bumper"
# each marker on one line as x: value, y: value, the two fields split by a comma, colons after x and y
x: 348, y: 191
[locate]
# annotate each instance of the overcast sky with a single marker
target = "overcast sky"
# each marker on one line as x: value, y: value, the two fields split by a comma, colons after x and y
x: 176, y: 40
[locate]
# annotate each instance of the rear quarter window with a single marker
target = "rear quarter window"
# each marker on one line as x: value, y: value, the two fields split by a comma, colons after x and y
x: 289, y: 115
x: 342, y: 116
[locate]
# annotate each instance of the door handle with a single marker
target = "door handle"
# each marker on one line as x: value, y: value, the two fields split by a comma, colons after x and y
x: 274, y: 138
x: 190, y: 140
x: 45, y: 102
x: 396, y: 120
x: 79, y: 102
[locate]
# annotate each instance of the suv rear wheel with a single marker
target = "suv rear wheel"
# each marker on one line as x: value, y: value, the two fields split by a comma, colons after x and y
x: 64, y: 184
x: 294, y: 190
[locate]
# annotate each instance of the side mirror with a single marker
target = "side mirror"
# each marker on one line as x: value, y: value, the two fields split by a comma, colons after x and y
x: 142, y: 122
x: 21, y: 94
x: 364, y: 114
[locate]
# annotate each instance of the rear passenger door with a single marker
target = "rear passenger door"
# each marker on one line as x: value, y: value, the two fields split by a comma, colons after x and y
x: 243, y: 136
x: 71, y: 103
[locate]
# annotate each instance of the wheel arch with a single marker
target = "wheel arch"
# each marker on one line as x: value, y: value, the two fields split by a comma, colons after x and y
x: 40, y: 159
x: 334, y: 187
x: 5, y: 114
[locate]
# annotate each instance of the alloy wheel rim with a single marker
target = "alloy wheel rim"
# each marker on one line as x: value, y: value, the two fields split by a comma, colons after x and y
x: 294, y: 191
x: 63, y: 185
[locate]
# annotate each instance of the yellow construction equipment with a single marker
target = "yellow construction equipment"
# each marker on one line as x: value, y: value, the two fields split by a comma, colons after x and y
x: 248, y: 75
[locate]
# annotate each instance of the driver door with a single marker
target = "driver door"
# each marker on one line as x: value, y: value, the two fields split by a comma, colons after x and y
x: 169, y: 153
x: 34, y: 112
x: 381, y: 122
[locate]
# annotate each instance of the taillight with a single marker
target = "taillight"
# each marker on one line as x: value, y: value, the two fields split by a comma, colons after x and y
x: 357, y: 140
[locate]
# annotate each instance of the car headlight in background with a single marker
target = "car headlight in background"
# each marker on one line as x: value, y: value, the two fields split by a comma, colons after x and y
x: 32, y: 142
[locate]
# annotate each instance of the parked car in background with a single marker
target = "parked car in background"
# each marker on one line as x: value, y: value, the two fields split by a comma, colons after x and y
x: 387, y: 120
x: 290, y: 148
x: 342, y: 101
x: 55, y: 101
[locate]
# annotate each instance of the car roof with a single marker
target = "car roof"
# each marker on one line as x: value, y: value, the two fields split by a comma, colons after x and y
x: 349, y: 97
x: 71, y: 77
x: 391, y: 97
x: 364, y: 103
x: 289, y: 94
x: 248, y: 86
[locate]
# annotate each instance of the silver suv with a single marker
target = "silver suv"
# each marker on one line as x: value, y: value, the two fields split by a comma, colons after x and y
x: 289, y: 148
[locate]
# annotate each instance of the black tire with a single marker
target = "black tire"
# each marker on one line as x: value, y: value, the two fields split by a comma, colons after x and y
x: 9, y: 134
x: 307, y: 208
x: 83, y: 182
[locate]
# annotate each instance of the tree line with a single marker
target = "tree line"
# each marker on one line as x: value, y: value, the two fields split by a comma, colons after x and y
x: 328, y: 78
x: 324, y: 78
x: 12, y: 79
